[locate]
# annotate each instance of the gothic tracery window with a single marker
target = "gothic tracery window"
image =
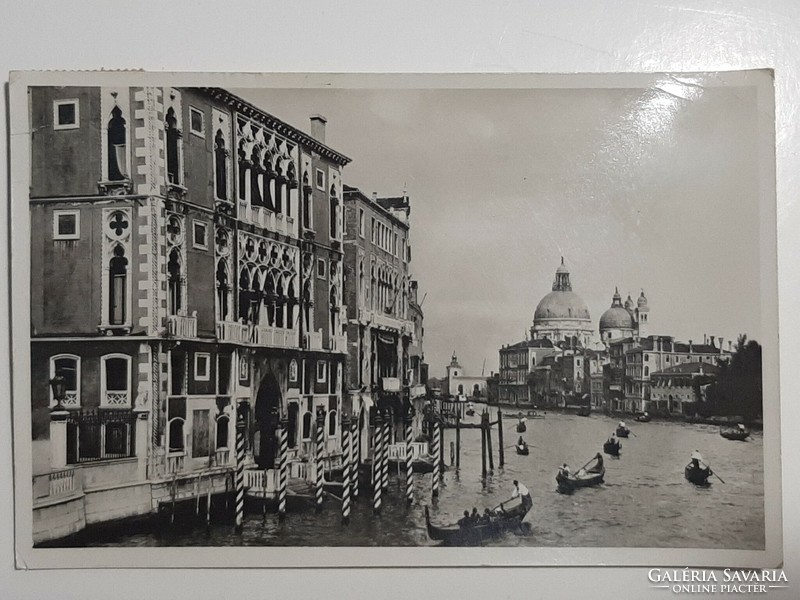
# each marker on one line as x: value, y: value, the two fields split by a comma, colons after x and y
x: 117, y: 146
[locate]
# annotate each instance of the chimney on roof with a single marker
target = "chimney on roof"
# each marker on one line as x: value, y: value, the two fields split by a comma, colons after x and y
x: 720, y: 344
x: 730, y: 344
x: 705, y: 338
x: 712, y: 339
x: 374, y: 196
x: 690, y: 346
x: 318, y: 127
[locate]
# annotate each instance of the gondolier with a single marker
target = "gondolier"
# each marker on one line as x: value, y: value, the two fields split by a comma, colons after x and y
x: 522, y: 492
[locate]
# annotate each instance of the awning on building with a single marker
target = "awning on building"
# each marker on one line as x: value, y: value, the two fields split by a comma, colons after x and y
x: 417, y: 391
x: 390, y: 384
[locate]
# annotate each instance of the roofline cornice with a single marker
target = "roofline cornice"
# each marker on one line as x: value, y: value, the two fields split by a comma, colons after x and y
x: 249, y: 110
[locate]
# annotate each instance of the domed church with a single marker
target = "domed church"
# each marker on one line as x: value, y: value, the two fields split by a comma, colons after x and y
x: 562, y: 314
x: 623, y: 321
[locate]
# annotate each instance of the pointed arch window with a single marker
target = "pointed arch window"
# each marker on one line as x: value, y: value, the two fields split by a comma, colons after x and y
x: 173, y: 136
x: 334, y: 213
x: 220, y: 166
x: 175, y: 280
x: 223, y: 292
x: 118, y: 287
x: 244, y: 295
x: 307, y: 205
x: 255, y: 183
x: 117, y: 146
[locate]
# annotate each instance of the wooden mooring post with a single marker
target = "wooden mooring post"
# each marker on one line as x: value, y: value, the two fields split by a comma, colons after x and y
x: 458, y: 443
x: 319, y: 467
x: 241, y: 424
x: 489, y: 452
x: 283, y: 474
x: 500, y: 446
x: 377, y: 465
x: 483, y: 453
x: 346, y: 464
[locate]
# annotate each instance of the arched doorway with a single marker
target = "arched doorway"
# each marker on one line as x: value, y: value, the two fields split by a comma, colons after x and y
x: 267, y: 414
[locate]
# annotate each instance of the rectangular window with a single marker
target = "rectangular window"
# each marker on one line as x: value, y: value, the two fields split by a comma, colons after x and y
x: 66, y: 225
x: 361, y: 222
x: 320, y: 180
x: 65, y: 114
x: 200, y: 430
x: 321, y: 268
x: 202, y: 366
x: 196, y: 122
x: 373, y: 230
x: 322, y: 371
x: 224, y: 374
x: 200, y: 235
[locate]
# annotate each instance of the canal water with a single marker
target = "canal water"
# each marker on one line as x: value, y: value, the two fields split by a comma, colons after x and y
x: 644, y: 502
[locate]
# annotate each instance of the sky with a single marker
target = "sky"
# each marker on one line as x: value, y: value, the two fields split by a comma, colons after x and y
x: 652, y: 189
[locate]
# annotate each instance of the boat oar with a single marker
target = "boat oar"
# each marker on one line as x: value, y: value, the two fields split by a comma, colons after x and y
x: 633, y: 434
x: 715, y: 474
x: 594, y: 458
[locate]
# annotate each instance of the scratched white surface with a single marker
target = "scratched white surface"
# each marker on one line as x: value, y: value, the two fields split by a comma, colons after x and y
x: 547, y: 36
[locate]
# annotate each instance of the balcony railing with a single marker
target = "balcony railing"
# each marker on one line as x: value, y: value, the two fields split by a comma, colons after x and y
x: 264, y: 335
x: 221, y: 457
x: 117, y: 398
x: 175, y: 463
x: 56, y: 484
x: 398, y: 451
x: 101, y: 435
x: 182, y: 326
x: 257, y: 335
x: 312, y: 340
x: 267, y: 219
x: 233, y: 332
x: 379, y: 319
x: 339, y: 343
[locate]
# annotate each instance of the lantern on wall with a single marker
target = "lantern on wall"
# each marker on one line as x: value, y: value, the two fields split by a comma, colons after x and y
x: 59, y: 386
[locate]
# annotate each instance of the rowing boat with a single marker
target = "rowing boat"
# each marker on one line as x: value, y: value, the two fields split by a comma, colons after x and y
x: 572, y: 481
x: 522, y: 449
x: 612, y: 448
x: 734, y: 433
x: 455, y: 535
x: 698, y: 475
x: 622, y: 431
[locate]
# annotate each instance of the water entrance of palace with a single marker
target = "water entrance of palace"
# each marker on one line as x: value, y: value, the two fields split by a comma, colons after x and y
x: 644, y: 502
x: 267, y: 415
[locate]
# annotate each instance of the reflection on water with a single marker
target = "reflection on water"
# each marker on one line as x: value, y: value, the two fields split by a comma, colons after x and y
x: 645, y: 501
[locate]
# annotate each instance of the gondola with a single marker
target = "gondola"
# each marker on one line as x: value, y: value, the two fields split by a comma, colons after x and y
x: 522, y: 449
x: 622, y: 431
x: 643, y: 418
x: 532, y: 414
x: 521, y: 427
x: 573, y: 481
x: 698, y: 475
x: 455, y: 535
x: 584, y: 411
x: 470, y: 412
x: 612, y: 448
x: 734, y: 433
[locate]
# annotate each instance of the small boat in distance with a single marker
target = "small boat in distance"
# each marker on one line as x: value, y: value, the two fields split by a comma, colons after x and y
x: 522, y: 448
x: 643, y: 418
x: 498, y: 524
x: 521, y: 427
x: 612, y: 447
x: 584, y: 411
x: 740, y: 432
x: 622, y: 430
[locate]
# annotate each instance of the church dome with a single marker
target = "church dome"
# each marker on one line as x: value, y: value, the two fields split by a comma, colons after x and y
x: 616, y: 317
x: 561, y: 304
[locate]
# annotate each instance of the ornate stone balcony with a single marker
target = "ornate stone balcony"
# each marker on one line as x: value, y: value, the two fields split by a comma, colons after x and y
x: 257, y: 335
x: 233, y: 332
x: 339, y: 343
x: 384, y: 321
x: 180, y: 326
x: 312, y: 340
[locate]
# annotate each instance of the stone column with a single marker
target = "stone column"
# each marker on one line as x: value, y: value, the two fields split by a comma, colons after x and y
x: 58, y: 439
x: 141, y: 437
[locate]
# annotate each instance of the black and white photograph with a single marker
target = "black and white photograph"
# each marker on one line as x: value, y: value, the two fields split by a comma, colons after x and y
x: 456, y: 320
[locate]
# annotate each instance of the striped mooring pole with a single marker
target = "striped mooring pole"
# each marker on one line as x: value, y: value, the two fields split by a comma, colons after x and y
x: 239, y: 481
x: 409, y: 461
x: 387, y: 426
x: 319, y: 474
x: 346, y: 468
x: 377, y: 465
x: 283, y: 473
x: 356, y: 449
x: 437, y: 465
